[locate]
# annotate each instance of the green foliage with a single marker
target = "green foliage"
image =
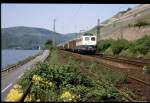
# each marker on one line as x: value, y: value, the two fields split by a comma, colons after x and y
x: 109, y: 75
x: 141, y: 45
x: 53, y: 58
x: 119, y: 45
x: 127, y: 53
x: 104, y: 44
x: 111, y: 46
x: 108, y: 51
x: 147, y: 56
x: 138, y: 48
x: 49, y: 44
x: 147, y: 69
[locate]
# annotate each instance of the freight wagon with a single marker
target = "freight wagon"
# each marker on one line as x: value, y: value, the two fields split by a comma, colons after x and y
x: 85, y: 44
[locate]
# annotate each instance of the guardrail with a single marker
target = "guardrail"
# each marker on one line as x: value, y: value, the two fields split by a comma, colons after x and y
x: 19, y: 63
x: 27, y: 90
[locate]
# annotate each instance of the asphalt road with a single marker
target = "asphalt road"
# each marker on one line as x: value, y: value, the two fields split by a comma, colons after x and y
x: 9, y: 79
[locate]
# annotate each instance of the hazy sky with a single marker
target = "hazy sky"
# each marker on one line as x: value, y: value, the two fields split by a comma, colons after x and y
x: 69, y: 17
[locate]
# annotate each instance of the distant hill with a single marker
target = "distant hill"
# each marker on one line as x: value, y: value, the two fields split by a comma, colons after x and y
x: 28, y: 37
x: 70, y: 36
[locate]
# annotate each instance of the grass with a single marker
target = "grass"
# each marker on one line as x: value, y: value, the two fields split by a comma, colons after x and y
x: 146, y: 69
x: 53, y: 58
x: 107, y: 74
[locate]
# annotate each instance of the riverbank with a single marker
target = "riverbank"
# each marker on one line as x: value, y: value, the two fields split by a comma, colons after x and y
x: 8, y: 79
x: 19, y: 63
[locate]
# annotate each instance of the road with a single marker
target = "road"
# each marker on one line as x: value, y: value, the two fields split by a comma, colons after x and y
x: 9, y: 79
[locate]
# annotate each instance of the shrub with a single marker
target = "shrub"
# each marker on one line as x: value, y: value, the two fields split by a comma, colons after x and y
x: 104, y: 44
x: 127, y: 53
x: 108, y: 51
x: 49, y: 44
x: 147, y: 56
x: 119, y: 45
x: 141, y: 45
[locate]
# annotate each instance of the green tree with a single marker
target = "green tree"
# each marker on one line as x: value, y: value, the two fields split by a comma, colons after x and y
x: 49, y: 44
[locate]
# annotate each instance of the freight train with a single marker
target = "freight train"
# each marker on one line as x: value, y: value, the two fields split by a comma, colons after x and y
x: 85, y: 44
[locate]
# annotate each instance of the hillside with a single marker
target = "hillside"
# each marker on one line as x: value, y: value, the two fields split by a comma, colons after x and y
x: 71, y: 36
x: 125, y: 24
x: 28, y: 37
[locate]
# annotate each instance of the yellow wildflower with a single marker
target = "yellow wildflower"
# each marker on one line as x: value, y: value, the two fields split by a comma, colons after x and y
x: 50, y: 83
x: 67, y: 96
x: 36, y: 78
x: 15, y: 93
x: 16, y: 86
x: 38, y: 100
x: 28, y: 98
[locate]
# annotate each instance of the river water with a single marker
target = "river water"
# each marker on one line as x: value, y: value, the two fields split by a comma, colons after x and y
x: 13, y: 56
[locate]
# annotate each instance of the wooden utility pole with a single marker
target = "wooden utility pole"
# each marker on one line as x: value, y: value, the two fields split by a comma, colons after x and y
x: 54, y: 34
x: 98, y: 29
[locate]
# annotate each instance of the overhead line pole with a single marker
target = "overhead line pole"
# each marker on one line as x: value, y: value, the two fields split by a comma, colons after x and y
x: 98, y: 29
x: 54, y: 32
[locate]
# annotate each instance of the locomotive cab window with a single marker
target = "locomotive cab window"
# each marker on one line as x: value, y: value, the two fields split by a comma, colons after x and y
x: 93, y: 39
x: 86, y: 38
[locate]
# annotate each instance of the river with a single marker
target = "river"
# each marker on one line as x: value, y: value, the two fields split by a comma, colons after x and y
x: 13, y: 56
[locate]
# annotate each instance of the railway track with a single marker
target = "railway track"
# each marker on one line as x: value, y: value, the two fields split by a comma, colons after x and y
x: 134, y: 68
x: 140, y: 81
x: 142, y: 85
x: 134, y: 61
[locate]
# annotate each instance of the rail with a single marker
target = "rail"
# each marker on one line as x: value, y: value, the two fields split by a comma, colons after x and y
x: 138, y: 62
x: 131, y: 77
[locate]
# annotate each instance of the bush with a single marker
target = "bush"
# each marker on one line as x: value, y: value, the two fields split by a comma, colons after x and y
x: 147, y: 56
x: 57, y: 77
x: 49, y: 44
x: 108, y: 51
x: 141, y: 45
x: 127, y: 53
x: 138, y: 48
x: 119, y: 45
x: 104, y: 44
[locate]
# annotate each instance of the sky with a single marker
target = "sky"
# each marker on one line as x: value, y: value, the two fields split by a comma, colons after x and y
x: 70, y: 18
